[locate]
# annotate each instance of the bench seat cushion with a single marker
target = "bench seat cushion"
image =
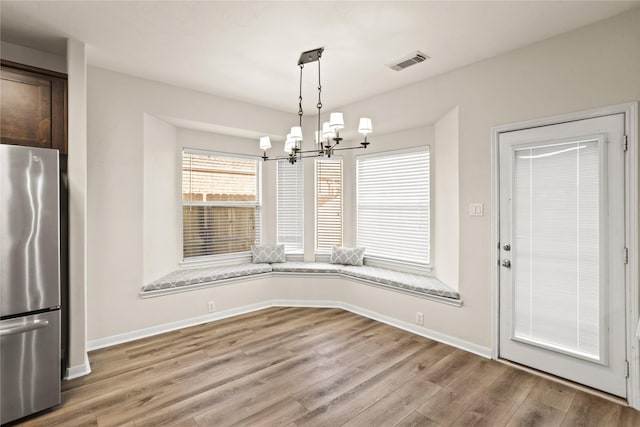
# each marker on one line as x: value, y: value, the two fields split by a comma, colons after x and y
x: 414, y: 283
x: 205, y: 275
x: 411, y: 282
x: 306, y: 267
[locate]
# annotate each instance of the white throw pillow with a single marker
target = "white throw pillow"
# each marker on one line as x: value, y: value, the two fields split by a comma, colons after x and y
x: 268, y: 254
x: 347, y: 256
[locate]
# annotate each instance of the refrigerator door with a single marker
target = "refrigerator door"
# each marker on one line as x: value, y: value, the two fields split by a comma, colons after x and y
x: 30, y: 364
x: 29, y: 229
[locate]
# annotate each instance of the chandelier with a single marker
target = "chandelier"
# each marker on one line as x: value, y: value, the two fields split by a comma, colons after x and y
x: 327, y: 135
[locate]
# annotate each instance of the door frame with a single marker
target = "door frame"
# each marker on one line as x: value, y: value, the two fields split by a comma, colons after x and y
x: 632, y: 291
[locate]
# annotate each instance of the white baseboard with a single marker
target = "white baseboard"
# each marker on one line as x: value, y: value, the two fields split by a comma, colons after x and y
x: 420, y: 330
x: 167, y: 327
x: 305, y: 303
x: 78, y: 370
x: 409, y: 327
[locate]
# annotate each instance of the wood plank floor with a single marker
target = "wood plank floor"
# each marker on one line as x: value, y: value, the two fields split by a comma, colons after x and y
x: 314, y: 367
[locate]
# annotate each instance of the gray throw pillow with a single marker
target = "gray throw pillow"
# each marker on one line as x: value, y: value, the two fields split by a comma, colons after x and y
x: 347, y: 256
x: 268, y: 254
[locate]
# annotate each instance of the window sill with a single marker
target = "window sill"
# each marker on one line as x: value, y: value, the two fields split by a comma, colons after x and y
x: 408, y: 267
x: 322, y: 256
x: 217, y: 260
x: 296, y: 257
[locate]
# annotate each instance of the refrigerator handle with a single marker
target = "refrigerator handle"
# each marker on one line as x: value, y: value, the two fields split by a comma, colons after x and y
x: 36, y: 324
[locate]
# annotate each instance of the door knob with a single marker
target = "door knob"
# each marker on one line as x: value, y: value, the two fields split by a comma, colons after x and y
x: 506, y: 263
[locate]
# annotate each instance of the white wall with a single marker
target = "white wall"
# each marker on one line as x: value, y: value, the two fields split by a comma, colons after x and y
x: 35, y: 58
x: 446, y: 186
x: 78, y: 207
x: 591, y: 67
x: 595, y: 66
x: 161, y: 216
x: 126, y: 182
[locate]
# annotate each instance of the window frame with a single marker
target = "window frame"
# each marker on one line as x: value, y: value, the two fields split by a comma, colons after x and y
x: 381, y: 261
x: 223, y: 258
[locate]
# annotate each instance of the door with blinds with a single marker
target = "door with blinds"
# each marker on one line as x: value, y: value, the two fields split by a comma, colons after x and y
x: 562, y: 239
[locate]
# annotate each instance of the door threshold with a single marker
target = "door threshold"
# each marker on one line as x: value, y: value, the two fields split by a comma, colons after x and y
x: 580, y: 387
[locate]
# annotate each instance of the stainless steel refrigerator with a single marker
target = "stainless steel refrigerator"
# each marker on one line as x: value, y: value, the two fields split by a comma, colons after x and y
x: 29, y: 281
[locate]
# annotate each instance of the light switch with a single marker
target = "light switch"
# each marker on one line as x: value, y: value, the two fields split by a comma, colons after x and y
x: 476, y: 209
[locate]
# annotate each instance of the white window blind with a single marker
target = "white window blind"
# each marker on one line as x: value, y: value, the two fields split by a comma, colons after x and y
x: 290, y: 195
x: 220, y: 204
x: 328, y: 204
x: 556, y: 246
x: 393, y: 212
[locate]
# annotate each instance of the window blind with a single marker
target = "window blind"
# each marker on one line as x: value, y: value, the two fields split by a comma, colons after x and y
x: 557, y: 246
x: 220, y: 204
x: 393, y: 211
x: 328, y: 204
x: 290, y: 200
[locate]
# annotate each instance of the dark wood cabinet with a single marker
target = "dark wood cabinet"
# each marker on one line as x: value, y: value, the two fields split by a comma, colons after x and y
x: 33, y: 107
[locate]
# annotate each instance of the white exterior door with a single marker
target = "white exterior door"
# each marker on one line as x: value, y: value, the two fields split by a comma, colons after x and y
x: 562, y: 240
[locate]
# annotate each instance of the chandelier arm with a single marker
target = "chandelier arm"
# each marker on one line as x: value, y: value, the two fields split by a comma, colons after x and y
x: 316, y: 156
x: 328, y: 149
x: 275, y: 158
x: 308, y: 151
x: 287, y: 157
x: 348, y: 148
x: 329, y: 146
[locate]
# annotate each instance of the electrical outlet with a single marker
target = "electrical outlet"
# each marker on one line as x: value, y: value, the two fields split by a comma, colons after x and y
x: 419, y: 318
x: 212, y: 306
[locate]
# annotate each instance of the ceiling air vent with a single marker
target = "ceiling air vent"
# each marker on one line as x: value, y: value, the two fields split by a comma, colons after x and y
x: 407, y: 61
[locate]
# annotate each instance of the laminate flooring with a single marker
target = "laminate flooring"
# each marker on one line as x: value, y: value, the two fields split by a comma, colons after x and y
x: 314, y: 367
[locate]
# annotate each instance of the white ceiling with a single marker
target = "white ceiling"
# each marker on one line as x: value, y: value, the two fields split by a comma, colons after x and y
x: 248, y: 50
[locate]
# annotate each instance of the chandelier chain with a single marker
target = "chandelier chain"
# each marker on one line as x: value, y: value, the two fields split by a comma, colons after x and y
x: 300, y: 112
x: 319, y: 106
